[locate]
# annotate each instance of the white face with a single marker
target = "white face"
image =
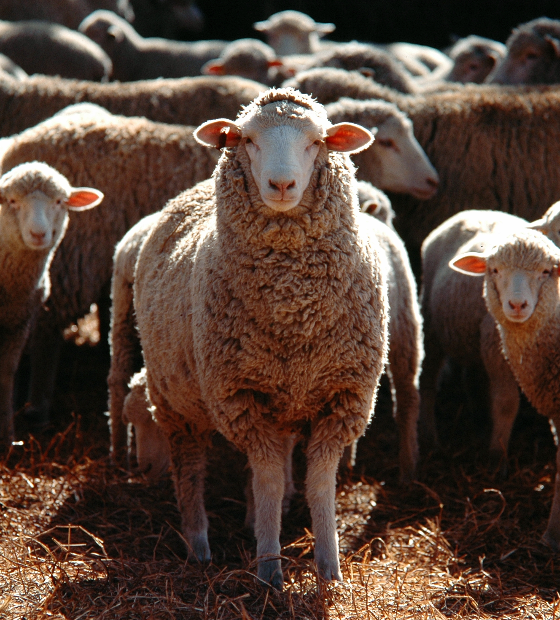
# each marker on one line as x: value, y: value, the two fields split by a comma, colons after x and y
x: 404, y: 167
x: 282, y: 159
x: 39, y: 217
x: 519, y: 289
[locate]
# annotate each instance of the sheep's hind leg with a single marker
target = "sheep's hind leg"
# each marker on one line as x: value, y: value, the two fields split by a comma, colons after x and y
x: 552, y: 535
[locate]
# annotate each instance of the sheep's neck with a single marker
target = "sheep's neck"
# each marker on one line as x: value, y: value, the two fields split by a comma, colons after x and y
x: 534, y: 357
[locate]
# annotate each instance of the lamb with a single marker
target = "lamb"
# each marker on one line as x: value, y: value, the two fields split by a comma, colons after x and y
x: 188, y: 101
x: 51, y: 49
x: 139, y: 165
x: 35, y: 200
x: 533, y: 55
x: 457, y: 324
x: 395, y: 162
x: 69, y: 13
x: 292, y: 32
x: 375, y: 202
x: 328, y: 84
x: 249, y: 58
x: 137, y: 58
x: 521, y: 290
x: 293, y: 336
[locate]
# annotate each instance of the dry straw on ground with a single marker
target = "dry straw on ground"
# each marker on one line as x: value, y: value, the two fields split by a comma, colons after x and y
x: 84, y: 540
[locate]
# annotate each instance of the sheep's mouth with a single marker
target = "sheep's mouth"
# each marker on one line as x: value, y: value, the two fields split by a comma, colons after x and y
x: 423, y: 194
x: 518, y: 317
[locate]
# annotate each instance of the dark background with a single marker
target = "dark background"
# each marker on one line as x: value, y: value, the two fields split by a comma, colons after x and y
x: 429, y: 22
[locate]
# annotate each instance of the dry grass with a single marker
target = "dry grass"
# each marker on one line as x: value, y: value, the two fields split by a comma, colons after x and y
x: 82, y: 539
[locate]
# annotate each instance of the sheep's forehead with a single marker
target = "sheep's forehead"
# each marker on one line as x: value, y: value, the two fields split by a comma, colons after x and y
x: 529, y: 251
x: 285, y: 113
x: 24, y: 182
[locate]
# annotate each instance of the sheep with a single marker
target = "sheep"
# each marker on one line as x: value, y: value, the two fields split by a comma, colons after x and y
x: 549, y: 223
x: 521, y: 291
x: 457, y: 324
x: 139, y: 165
x: 473, y: 59
x: 386, y: 69
x: 492, y: 146
x: 395, y: 162
x: 51, y: 49
x: 406, y: 349
x: 69, y: 13
x: 249, y: 58
x: 34, y: 204
x: 328, y: 84
x: 188, y: 101
x: 375, y: 202
x: 419, y: 60
x: 293, y: 336
x: 152, y: 449
x: 533, y: 55
x: 137, y: 58
x: 292, y: 32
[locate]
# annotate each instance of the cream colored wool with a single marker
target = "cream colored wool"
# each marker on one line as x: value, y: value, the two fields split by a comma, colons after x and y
x: 261, y: 324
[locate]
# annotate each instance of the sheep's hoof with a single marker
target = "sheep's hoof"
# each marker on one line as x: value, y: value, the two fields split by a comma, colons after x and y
x: 329, y: 571
x: 497, y: 462
x: 199, y: 549
x: 270, y: 573
x: 550, y: 542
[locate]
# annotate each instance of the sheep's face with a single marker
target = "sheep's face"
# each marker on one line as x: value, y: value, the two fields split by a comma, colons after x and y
x: 398, y: 162
x: 282, y: 142
x: 518, y: 273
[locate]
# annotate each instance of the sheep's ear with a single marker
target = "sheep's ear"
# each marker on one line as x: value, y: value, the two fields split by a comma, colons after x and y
x: 370, y: 206
x: 471, y: 264
x: 213, y: 67
x: 348, y: 138
x: 115, y: 33
x: 261, y: 26
x: 324, y: 29
x: 84, y: 198
x: 539, y: 225
x: 218, y: 134
x: 554, y: 44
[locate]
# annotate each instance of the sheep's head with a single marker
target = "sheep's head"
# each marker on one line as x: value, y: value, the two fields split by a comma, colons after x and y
x: 549, y: 223
x: 520, y: 272
x: 283, y: 132
x: 35, y: 199
x: 474, y: 58
x: 533, y: 55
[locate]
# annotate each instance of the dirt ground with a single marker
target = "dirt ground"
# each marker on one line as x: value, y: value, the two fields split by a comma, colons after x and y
x: 82, y: 539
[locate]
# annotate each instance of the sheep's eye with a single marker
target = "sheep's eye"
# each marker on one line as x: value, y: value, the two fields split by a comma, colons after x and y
x: 546, y: 272
x: 248, y: 141
x: 59, y: 202
x: 531, y: 56
x: 318, y: 142
x: 386, y: 142
x: 495, y: 270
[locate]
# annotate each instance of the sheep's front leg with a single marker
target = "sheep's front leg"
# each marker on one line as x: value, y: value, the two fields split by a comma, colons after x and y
x: 10, y: 355
x: 552, y: 535
x: 267, y: 455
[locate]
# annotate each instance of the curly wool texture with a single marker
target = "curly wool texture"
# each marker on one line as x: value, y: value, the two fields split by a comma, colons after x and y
x: 186, y: 101
x: 286, y: 316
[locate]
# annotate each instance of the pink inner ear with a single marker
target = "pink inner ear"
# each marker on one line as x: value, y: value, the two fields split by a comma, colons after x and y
x: 470, y: 264
x: 275, y: 63
x: 214, y: 68
x: 347, y: 138
x: 83, y: 198
x: 218, y: 134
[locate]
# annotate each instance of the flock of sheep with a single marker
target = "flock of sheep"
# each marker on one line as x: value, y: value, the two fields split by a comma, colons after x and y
x: 252, y: 291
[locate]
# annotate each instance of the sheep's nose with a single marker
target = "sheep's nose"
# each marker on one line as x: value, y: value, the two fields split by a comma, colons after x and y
x: 38, y: 237
x: 432, y: 182
x: 518, y: 306
x: 281, y: 186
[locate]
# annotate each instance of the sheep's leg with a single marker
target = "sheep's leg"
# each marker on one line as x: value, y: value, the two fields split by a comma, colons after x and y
x: 348, y: 459
x: 125, y: 348
x: 504, y: 394
x: 10, y: 354
x: 431, y: 368
x: 403, y: 376
x: 46, y: 346
x: 552, y: 535
x: 267, y: 457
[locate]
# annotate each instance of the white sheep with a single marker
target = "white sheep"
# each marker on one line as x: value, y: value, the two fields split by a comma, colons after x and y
x: 262, y: 311
x: 549, y: 223
x: 395, y: 162
x: 521, y: 290
x: 293, y: 32
x: 137, y: 58
x: 139, y: 165
x: 457, y: 324
x: 34, y: 204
